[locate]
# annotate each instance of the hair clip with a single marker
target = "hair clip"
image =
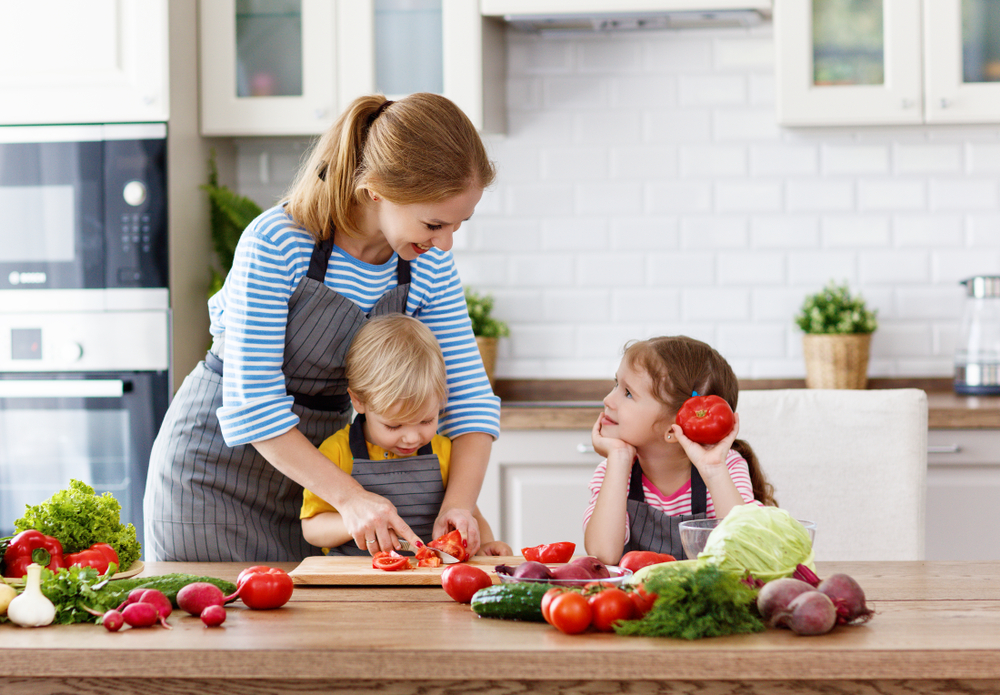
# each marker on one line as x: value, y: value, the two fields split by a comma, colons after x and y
x: 694, y: 394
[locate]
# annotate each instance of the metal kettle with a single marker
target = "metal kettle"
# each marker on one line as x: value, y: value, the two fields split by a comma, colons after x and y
x: 977, y: 356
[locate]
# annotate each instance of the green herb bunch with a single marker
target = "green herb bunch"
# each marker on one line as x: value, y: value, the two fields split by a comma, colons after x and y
x: 833, y: 310
x: 696, y: 602
x: 78, y: 518
x: 480, y: 311
x: 229, y: 214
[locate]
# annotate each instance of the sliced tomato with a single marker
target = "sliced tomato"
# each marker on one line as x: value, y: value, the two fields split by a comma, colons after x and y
x: 452, y: 544
x: 390, y: 561
x: 434, y: 561
x: 550, y: 552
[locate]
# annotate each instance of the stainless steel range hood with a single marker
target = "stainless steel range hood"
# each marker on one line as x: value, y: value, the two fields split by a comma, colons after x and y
x: 626, y: 15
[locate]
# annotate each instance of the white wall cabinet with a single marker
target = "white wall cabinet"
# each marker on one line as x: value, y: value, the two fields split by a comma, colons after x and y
x: 102, y: 61
x: 918, y: 61
x: 288, y: 67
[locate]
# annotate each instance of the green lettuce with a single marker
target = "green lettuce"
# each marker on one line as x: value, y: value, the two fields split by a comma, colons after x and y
x: 766, y: 541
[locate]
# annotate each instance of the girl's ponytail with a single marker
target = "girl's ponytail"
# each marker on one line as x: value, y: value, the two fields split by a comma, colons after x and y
x: 763, y: 491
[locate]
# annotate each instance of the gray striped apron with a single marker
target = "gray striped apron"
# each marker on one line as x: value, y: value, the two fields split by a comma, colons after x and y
x: 413, y: 484
x: 208, y: 502
x: 650, y: 528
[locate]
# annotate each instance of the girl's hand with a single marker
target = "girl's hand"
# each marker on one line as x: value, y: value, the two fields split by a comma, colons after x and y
x: 606, y: 445
x: 709, y: 460
x: 496, y: 549
x: 464, y: 521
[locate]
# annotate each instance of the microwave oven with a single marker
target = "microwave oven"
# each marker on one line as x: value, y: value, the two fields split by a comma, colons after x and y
x: 84, y: 206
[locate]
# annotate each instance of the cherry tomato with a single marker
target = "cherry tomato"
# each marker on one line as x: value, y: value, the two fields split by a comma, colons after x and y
x: 264, y: 588
x: 550, y: 552
x: 635, y: 560
x: 452, y: 544
x: 570, y: 613
x: 610, y: 606
x: 706, y: 419
x: 642, y: 600
x: 390, y: 561
x: 547, y: 601
x: 461, y: 581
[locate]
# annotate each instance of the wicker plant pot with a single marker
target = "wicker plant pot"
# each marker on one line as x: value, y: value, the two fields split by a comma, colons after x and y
x: 488, y: 351
x: 836, y: 361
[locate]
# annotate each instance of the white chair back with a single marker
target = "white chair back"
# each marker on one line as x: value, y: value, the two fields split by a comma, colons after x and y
x: 853, y: 461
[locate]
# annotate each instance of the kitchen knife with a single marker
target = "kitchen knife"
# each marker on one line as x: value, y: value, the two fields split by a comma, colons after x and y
x: 445, y: 557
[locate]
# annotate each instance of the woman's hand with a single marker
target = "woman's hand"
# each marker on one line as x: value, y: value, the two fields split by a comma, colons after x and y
x: 374, y: 524
x: 462, y: 519
x: 709, y: 460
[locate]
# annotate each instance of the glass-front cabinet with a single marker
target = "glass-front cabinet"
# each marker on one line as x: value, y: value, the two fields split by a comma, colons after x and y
x: 288, y: 67
x: 870, y: 62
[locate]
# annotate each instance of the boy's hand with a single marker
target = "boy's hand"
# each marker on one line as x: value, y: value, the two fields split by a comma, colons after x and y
x: 496, y: 549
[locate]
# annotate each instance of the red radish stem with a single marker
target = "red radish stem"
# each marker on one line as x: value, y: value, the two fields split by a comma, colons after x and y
x: 140, y: 614
x: 805, y: 574
x: 213, y: 615
x: 848, y: 598
x: 113, y: 620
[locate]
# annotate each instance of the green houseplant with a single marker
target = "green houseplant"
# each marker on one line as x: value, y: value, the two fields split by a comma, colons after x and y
x: 229, y: 215
x: 487, y: 329
x: 837, y: 330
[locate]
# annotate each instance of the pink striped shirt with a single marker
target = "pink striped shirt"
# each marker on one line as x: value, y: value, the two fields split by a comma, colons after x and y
x: 680, y: 501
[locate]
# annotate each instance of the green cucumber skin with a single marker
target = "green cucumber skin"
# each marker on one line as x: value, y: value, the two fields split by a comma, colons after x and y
x: 518, y: 601
x: 169, y: 584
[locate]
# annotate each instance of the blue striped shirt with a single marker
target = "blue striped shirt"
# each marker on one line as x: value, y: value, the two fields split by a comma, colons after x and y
x: 251, y: 309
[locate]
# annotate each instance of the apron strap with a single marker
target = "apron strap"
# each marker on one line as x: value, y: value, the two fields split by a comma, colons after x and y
x: 320, y: 259
x: 699, y: 493
x: 359, y: 447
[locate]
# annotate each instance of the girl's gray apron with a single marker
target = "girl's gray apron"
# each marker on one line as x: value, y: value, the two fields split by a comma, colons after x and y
x: 650, y: 528
x: 412, y: 483
x: 209, y: 502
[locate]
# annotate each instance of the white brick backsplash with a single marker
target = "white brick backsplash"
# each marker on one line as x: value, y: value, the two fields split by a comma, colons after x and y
x: 748, y: 196
x: 855, y: 231
x: 644, y: 188
x: 840, y: 158
x: 891, y: 195
x: 700, y: 161
x: 820, y: 196
x: 714, y: 232
x: 894, y: 267
x: 927, y: 159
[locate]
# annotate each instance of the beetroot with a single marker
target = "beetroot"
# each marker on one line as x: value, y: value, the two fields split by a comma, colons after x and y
x: 596, y: 568
x: 197, y: 596
x: 810, y: 613
x: 848, y: 598
x: 774, y: 597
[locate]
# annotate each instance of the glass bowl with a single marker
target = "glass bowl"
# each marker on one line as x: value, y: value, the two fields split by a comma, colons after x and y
x: 695, y: 533
x: 618, y: 576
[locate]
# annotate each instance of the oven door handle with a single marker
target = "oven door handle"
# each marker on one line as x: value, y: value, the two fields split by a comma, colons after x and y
x: 62, y: 388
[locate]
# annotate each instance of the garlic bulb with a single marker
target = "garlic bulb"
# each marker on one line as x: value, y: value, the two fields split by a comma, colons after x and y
x: 31, y: 608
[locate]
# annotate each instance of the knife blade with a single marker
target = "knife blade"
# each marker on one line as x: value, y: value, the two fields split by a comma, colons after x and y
x: 445, y: 557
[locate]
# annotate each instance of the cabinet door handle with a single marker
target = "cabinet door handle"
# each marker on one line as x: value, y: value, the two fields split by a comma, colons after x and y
x: 944, y: 449
x: 584, y: 448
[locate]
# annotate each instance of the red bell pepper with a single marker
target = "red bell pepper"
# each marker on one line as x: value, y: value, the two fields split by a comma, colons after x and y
x: 32, y: 546
x: 98, y: 556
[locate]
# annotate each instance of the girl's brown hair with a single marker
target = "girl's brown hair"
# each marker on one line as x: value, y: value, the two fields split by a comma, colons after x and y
x: 420, y: 149
x: 678, y: 366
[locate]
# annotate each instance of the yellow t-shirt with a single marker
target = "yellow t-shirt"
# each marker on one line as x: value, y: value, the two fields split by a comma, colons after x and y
x: 337, y: 448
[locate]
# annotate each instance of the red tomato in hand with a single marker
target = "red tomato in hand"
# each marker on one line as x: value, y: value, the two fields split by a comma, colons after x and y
x: 452, y: 544
x: 635, y: 560
x: 608, y: 607
x: 570, y: 613
x: 706, y: 419
x: 461, y: 581
x: 550, y: 552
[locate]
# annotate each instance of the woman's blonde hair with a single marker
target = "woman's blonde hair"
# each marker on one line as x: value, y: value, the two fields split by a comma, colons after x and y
x: 395, y: 364
x: 679, y: 366
x: 420, y: 149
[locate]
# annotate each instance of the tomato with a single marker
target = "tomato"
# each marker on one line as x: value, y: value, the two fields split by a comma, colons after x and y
x: 642, y: 600
x: 570, y: 613
x: 390, y: 561
x: 452, y: 544
x: 429, y: 562
x: 610, y: 606
x: 547, y: 601
x: 264, y: 588
x: 635, y: 560
x: 461, y: 581
x: 706, y: 419
x: 550, y: 552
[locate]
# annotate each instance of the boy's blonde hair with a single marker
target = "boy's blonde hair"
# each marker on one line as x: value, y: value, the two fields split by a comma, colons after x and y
x: 419, y: 149
x: 395, y: 364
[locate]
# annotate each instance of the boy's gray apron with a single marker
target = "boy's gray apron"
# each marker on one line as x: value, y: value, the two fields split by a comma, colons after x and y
x: 650, y: 528
x: 412, y: 483
x: 209, y: 502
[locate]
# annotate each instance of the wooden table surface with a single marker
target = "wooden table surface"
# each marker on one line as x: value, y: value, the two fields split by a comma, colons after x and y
x: 937, y: 630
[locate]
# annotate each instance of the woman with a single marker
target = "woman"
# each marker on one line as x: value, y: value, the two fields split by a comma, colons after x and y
x: 366, y: 230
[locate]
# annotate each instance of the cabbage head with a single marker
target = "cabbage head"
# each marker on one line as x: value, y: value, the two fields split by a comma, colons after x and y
x: 767, y: 541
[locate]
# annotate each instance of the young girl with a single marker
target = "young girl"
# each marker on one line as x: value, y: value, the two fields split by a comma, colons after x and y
x: 653, y: 477
x: 397, y: 383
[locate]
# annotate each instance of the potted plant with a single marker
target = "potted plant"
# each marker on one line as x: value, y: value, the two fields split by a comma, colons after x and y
x: 838, y: 329
x: 229, y: 214
x: 488, y: 330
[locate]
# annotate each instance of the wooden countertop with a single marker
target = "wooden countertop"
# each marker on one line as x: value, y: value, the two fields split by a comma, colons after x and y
x: 937, y: 629
x: 529, y: 404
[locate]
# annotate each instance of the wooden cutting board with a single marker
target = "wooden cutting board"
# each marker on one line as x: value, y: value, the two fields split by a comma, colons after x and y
x: 331, y: 570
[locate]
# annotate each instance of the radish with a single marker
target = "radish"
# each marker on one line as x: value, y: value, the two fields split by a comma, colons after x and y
x: 140, y: 614
x: 213, y: 615
x: 848, y: 599
x: 153, y: 597
x: 810, y: 613
x: 197, y: 596
x: 774, y: 597
x: 113, y: 620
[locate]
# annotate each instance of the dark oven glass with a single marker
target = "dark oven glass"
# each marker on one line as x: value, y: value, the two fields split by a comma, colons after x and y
x: 98, y: 428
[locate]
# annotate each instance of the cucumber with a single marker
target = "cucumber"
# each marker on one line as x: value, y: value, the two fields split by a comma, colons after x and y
x: 516, y: 601
x: 115, y: 592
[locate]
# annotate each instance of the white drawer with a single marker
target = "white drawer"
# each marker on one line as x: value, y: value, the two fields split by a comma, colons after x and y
x: 946, y: 447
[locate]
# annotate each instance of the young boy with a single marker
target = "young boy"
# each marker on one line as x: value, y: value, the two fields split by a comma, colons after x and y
x: 397, y: 383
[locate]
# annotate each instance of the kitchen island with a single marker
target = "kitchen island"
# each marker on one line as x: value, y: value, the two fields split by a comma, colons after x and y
x: 936, y: 630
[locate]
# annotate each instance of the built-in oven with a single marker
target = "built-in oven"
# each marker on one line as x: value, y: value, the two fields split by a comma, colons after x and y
x: 84, y: 311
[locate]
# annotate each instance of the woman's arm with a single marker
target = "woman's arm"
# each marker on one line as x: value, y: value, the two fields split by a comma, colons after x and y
x: 470, y: 453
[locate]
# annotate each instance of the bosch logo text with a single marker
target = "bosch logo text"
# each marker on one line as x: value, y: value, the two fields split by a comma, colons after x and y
x: 16, y: 278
